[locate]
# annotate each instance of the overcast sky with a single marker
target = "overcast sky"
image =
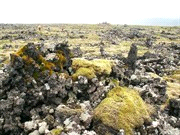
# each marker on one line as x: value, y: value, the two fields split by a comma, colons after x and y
x: 86, y: 11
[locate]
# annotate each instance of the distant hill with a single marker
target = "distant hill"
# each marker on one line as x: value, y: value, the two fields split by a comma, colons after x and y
x: 159, y: 22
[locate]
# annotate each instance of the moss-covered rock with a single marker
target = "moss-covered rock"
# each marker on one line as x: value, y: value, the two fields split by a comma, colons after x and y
x: 88, y: 72
x: 97, y: 67
x: 115, y: 82
x: 123, y: 108
x: 33, y: 60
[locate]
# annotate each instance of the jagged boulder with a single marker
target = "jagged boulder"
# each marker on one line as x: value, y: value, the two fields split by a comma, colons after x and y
x: 31, y: 82
x: 132, y: 57
x: 174, y: 106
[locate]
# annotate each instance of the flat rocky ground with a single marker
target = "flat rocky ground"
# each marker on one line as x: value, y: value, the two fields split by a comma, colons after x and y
x: 116, y: 38
x: 100, y: 63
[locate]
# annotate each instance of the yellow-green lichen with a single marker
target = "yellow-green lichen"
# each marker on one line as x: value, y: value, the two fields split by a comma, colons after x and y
x: 21, y: 50
x: 36, y: 75
x: 39, y: 61
x: 92, y: 68
x: 28, y: 60
x: 87, y: 72
x: 46, y: 65
x: 56, y: 131
x: 123, y: 108
x: 176, y: 75
x: 115, y: 82
x: 173, y: 89
x: 61, y: 60
x: 173, y: 84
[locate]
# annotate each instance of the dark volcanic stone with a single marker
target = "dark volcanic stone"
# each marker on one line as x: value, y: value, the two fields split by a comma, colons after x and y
x: 149, y: 42
x: 132, y: 57
x: 28, y: 88
x: 174, y: 107
x: 77, y: 52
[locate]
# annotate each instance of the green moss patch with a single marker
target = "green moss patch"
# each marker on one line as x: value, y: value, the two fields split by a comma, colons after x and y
x: 173, y: 84
x: 97, y: 67
x: 33, y: 59
x: 88, y: 72
x: 123, y: 108
x: 176, y: 75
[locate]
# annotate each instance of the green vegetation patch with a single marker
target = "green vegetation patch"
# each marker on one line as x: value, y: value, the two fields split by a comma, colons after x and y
x: 96, y: 67
x: 56, y: 131
x: 176, y: 75
x: 88, y: 72
x: 123, y: 108
x: 33, y: 59
x: 173, y: 84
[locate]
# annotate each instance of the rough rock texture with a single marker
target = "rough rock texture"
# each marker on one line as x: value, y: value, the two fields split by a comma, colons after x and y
x: 132, y: 57
x: 174, y: 107
x: 35, y: 86
x: 41, y: 92
x: 31, y: 83
x: 77, y: 52
x: 147, y: 79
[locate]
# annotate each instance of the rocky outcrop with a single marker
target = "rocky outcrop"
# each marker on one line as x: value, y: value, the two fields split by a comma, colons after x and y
x: 44, y: 91
x: 174, y: 107
x: 30, y: 83
x: 132, y: 57
x: 36, y: 86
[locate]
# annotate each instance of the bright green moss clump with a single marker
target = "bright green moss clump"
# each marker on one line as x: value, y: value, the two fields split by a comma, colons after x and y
x: 97, y: 67
x: 123, y: 108
x: 88, y: 72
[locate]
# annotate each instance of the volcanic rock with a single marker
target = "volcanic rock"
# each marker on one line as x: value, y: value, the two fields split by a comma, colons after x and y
x: 132, y: 57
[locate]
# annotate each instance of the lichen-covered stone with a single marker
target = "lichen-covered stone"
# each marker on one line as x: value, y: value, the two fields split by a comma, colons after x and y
x: 31, y: 83
x: 87, y: 72
x: 98, y: 67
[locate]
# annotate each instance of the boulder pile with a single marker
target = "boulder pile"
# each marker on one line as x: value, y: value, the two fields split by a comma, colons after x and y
x: 43, y: 91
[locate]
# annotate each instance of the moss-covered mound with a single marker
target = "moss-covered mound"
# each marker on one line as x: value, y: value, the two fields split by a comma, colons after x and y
x: 90, y: 69
x: 88, y: 72
x: 123, y: 108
